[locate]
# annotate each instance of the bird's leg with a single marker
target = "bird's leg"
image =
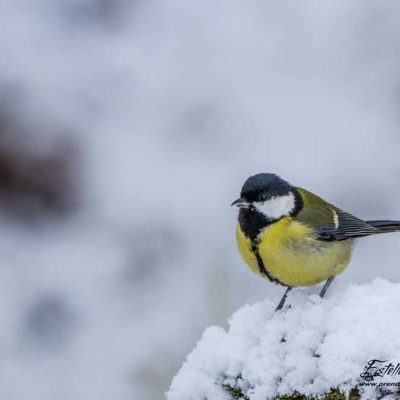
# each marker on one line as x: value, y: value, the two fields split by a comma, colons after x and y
x: 326, y: 286
x: 283, y: 299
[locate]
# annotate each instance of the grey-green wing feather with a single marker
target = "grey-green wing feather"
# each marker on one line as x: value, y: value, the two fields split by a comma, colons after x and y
x: 329, y: 222
x: 348, y: 227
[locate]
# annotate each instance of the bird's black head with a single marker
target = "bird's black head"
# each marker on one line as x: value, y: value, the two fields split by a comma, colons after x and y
x: 264, y: 186
x: 266, y: 198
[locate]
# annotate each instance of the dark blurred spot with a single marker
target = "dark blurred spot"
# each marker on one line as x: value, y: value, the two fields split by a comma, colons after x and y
x: 49, y: 322
x: 36, y: 179
x: 149, y: 250
x: 104, y: 13
x: 201, y: 122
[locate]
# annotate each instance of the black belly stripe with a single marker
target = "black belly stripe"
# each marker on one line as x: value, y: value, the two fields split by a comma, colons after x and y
x: 252, y: 223
x: 261, y: 266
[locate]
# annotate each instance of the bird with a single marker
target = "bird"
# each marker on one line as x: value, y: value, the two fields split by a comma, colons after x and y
x: 293, y: 237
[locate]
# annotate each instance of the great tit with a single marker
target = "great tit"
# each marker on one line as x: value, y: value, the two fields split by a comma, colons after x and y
x: 293, y: 237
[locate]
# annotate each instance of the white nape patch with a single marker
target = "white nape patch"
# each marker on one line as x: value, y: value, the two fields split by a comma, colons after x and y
x: 276, y: 207
x: 335, y: 218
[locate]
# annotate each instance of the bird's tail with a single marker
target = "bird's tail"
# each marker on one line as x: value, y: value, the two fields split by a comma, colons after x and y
x: 385, y: 226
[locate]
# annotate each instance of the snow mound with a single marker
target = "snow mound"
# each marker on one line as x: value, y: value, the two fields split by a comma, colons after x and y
x: 310, y: 348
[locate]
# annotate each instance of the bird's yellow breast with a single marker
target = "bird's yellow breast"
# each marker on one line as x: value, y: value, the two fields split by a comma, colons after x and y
x: 292, y: 255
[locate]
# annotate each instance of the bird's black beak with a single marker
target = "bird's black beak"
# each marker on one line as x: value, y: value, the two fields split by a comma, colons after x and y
x: 241, y: 203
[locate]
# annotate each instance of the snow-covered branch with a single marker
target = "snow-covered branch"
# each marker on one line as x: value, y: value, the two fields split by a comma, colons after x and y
x: 314, y: 348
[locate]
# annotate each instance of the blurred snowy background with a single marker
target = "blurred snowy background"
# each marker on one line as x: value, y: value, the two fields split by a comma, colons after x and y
x: 127, y: 129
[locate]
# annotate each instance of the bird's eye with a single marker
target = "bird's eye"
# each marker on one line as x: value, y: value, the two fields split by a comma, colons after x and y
x: 263, y: 196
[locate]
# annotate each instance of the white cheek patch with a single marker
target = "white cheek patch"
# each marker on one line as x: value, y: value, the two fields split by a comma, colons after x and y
x: 276, y: 207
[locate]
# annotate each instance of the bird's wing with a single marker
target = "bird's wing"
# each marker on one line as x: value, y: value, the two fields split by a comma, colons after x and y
x: 329, y: 222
